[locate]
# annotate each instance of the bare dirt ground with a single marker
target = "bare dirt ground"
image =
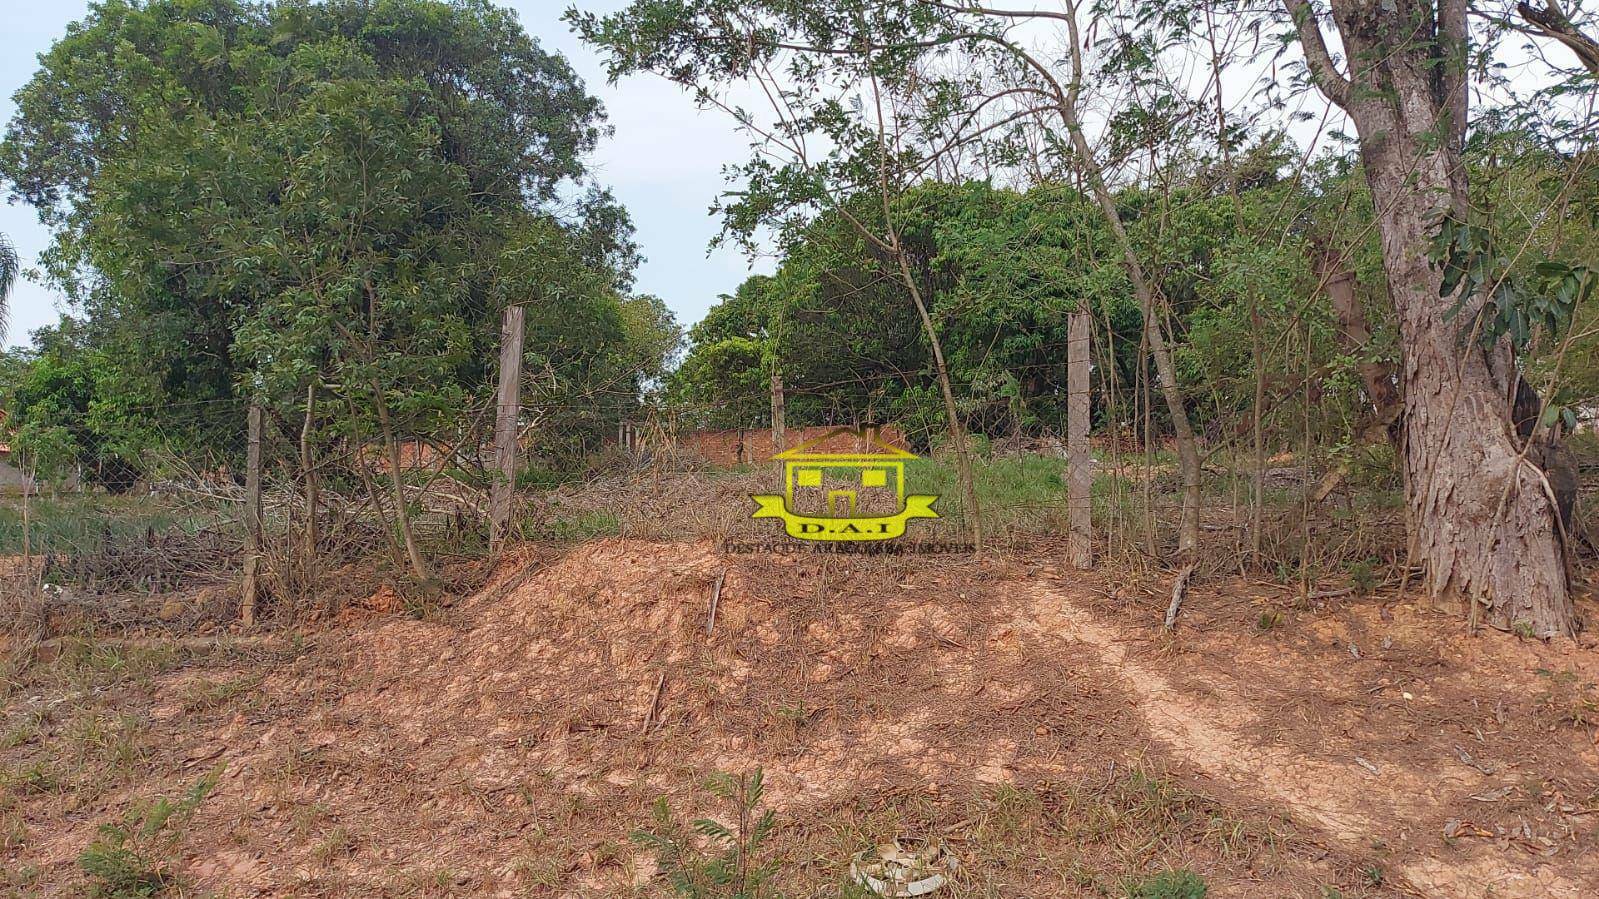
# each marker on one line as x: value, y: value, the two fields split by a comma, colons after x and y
x: 1034, y: 718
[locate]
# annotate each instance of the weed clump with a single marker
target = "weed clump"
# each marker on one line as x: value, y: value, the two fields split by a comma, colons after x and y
x: 130, y: 859
x: 1177, y: 884
x: 711, y: 860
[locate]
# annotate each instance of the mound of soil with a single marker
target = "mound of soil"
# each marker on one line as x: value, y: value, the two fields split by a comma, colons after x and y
x: 836, y: 674
x: 1037, y: 721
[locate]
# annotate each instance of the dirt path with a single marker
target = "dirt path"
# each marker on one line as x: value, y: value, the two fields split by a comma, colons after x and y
x: 1345, y: 801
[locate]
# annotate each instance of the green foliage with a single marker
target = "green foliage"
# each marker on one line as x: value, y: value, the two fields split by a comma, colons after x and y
x: 1001, y: 271
x: 9, y: 269
x: 129, y: 859
x: 1178, y: 884
x: 74, y: 523
x: 56, y: 400
x: 577, y: 527
x: 35, y: 780
x: 1510, y: 299
x: 251, y: 200
x: 712, y: 860
x: 1362, y: 576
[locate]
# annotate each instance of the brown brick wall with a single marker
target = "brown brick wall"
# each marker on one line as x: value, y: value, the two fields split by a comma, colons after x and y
x: 732, y: 447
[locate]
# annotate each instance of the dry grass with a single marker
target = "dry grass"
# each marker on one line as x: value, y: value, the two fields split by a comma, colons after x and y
x: 1570, y: 698
x: 1098, y: 837
x: 502, y: 741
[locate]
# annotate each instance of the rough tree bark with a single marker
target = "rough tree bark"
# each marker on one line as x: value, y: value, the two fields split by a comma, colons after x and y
x: 1481, y: 517
x: 1553, y: 22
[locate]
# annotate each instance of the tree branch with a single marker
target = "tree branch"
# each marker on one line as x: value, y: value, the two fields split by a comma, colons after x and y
x: 1322, y: 70
x: 1453, y: 36
x: 1552, y: 21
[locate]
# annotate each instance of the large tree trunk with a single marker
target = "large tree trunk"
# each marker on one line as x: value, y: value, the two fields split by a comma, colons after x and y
x: 1482, y: 520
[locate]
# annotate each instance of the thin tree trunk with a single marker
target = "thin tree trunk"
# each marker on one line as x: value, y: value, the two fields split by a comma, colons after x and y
x: 957, y: 429
x: 507, y: 414
x: 779, y: 411
x: 1554, y: 22
x: 1079, y: 460
x: 1376, y: 376
x: 1165, y: 369
x: 1257, y: 499
x: 373, y: 492
x: 402, y: 511
x: 895, y: 246
x: 1147, y: 444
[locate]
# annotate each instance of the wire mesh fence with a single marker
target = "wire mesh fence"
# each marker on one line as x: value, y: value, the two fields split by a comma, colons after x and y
x: 173, y: 506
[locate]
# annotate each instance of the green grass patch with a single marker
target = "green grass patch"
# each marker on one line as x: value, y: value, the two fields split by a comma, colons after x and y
x: 73, y: 523
x: 86, y: 663
x: 575, y: 526
x: 1179, y: 884
x: 133, y: 858
x: 1024, y: 482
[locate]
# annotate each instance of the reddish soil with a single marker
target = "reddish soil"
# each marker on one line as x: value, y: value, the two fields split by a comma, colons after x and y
x: 1035, y: 719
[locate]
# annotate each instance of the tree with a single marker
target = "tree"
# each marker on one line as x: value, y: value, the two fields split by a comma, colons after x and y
x: 9, y: 269
x: 898, y: 90
x: 56, y: 405
x: 1483, y: 518
x: 231, y: 184
x: 966, y: 77
x: 326, y: 205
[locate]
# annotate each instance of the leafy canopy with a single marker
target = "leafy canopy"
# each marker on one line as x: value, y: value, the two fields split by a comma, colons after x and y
x: 255, y: 199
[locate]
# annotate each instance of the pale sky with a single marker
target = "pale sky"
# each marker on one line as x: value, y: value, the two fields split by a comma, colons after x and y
x: 664, y: 162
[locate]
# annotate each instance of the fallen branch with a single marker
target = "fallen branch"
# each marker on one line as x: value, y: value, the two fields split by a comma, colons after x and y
x: 1178, y: 589
x: 716, y: 597
x: 655, y: 705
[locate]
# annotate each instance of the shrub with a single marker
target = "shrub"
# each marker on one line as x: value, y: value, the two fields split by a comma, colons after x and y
x: 721, y: 863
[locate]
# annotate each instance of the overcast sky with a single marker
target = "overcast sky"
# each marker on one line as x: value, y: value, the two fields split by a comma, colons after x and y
x: 664, y: 162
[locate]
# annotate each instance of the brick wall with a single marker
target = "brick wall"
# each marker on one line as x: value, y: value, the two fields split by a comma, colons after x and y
x: 732, y: 447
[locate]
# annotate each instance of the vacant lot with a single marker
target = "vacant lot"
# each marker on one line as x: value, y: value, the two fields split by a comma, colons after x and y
x: 514, y: 739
